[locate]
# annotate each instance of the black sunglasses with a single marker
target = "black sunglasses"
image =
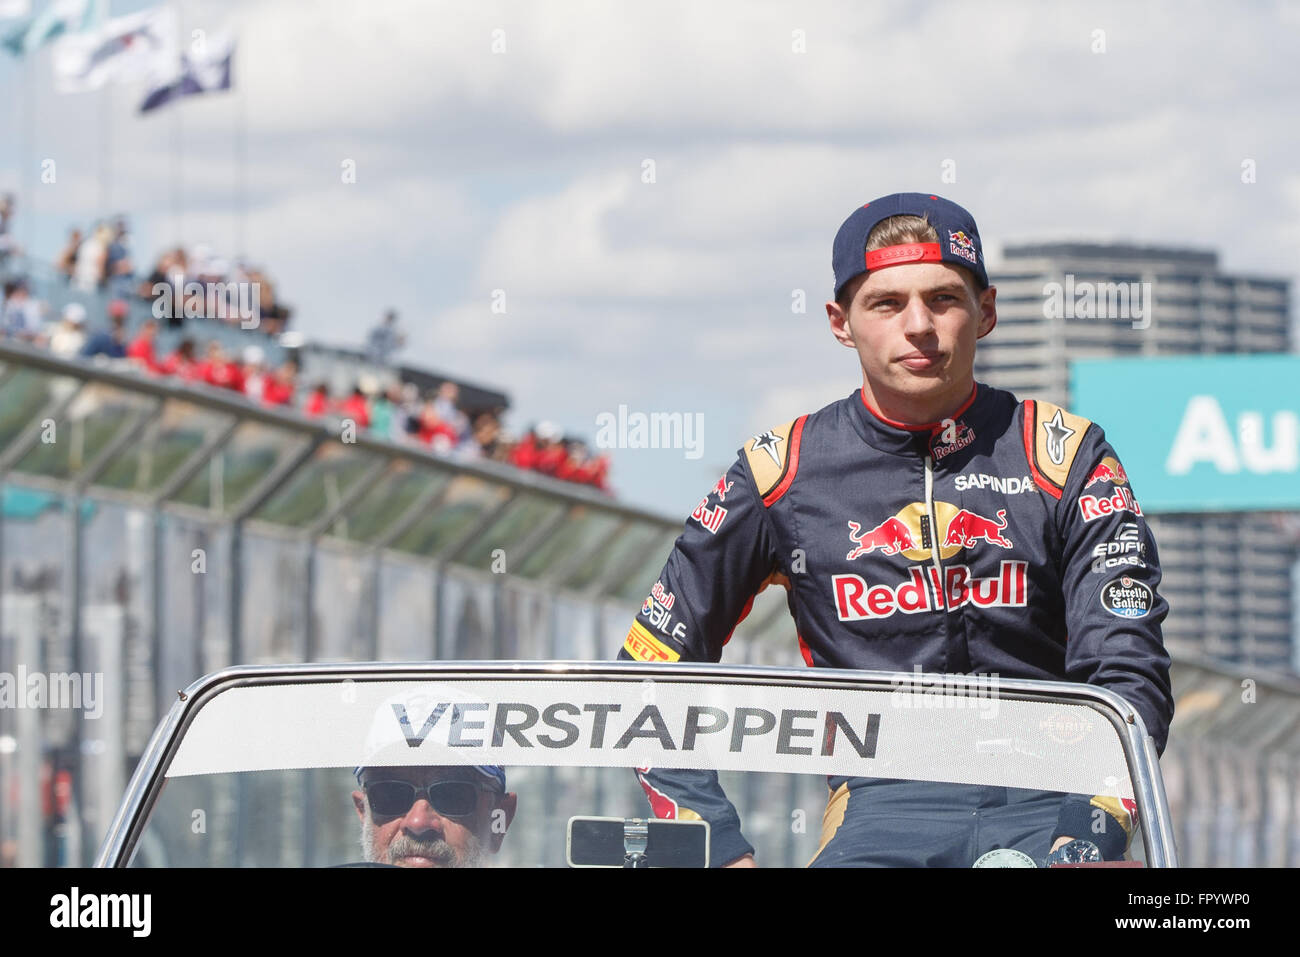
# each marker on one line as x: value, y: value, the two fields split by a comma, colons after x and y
x: 395, y: 798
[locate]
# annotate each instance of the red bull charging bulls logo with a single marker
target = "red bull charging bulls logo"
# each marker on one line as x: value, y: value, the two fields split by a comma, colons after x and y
x: 909, y: 532
x: 967, y: 527
x: 1109, y: 470
x: 891, y: 536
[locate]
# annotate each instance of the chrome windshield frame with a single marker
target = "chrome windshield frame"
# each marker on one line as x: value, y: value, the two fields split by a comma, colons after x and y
x: 1139, y: 750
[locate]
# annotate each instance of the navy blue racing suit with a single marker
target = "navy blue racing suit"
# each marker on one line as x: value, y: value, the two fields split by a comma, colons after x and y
x: 1005, y: 540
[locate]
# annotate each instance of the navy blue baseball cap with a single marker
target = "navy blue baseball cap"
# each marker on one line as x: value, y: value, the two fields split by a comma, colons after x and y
x: 959, y: 238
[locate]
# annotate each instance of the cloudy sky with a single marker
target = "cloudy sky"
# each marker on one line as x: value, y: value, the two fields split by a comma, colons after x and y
x: 506, y: 146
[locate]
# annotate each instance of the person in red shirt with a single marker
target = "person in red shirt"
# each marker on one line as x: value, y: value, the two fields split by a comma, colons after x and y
x: 141, y: 348
x: 580, y: 467
x: 217, y: 369
x: 551, y: 452
x: 356, y: 408
x: 434, y: 431
x: 280, y: 388
x: 318, y: 401
x: 182, y: 363
x: 524, y: 454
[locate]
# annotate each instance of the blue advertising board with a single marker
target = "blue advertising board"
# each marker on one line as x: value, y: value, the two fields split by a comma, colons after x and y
x: 1204, y: 433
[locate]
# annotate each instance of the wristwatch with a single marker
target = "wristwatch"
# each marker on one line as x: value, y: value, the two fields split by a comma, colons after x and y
x: 1075, y: 852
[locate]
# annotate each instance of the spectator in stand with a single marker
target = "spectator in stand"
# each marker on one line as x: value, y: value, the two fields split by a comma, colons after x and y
x: 255, y: 377
x: 273, y: 315
x: 68, y: 336
x: 110, y: 342
x: 182, y: 363
x: 409, y: 412
x: 485, y: 438
x: 118, y: 269
x: 550, y: 449
x: 7, y: 245
x: 219, y: 370
x: 524, y: 453
x: 318, y: 401
x: 382, y: 407
x: 448, y: 410
x: 580, y: 467
x: 170, y: 271
x: 141, y: 349
x: 435, y: 432
x: 92, y: 260
x: 22, y: 313
x: 67, y: 261
x: 281, y: 387
x: 356, y: 408
x: 385, y: 339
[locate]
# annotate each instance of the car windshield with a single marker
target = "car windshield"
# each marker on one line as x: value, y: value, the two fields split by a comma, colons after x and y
x: 501, y: 766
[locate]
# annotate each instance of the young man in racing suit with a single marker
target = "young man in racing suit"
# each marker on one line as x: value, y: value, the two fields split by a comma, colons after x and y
x: 923, y: 520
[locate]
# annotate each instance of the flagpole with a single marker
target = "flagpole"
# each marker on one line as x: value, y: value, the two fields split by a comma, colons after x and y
x: 241, y: 172
x: 106, y: 151
x: 176, y: 177
x: 28, y: 156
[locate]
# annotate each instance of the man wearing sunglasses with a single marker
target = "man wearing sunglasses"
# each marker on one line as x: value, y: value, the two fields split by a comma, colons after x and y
x: 432, y: 816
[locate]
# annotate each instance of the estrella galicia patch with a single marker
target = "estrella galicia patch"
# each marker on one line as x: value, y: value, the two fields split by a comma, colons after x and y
x: 1127, y: 597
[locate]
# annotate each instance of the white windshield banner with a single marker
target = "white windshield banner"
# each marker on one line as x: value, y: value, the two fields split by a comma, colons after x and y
x: 912, y: 732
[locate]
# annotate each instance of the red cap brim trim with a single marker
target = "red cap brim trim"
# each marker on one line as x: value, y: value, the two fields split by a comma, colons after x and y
x: 905, y: 253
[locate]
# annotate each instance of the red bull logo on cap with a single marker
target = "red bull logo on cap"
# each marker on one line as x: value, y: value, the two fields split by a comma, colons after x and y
x: 1109, y: 470
x: 959, y: 244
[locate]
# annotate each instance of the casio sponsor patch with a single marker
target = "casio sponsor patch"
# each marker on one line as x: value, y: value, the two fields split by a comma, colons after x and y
x: 1125, y: 549
x: 1005, y: 485
x: 1127, y: 597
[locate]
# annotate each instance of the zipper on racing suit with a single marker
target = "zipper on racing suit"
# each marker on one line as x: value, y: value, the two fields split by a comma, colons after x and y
x: 941, y: 596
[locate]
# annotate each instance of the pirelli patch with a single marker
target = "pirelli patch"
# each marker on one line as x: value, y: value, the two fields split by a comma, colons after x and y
x: 1052, y: 440
x: 774, y: 458
x: 643, y: 646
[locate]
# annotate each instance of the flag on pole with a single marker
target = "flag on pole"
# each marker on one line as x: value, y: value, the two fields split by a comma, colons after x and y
x: 202, y: 70
x: 123, y: 48
x: 59, y: 18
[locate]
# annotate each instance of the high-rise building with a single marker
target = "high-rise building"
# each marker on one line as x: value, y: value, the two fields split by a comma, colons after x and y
x: 1227, y: 576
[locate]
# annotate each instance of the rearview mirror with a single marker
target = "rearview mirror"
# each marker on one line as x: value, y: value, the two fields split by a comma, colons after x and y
x: 634, y: 842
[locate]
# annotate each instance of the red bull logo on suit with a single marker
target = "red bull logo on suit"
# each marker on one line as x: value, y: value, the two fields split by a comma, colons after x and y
x: 855, y: 600
x: 909, y: 533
